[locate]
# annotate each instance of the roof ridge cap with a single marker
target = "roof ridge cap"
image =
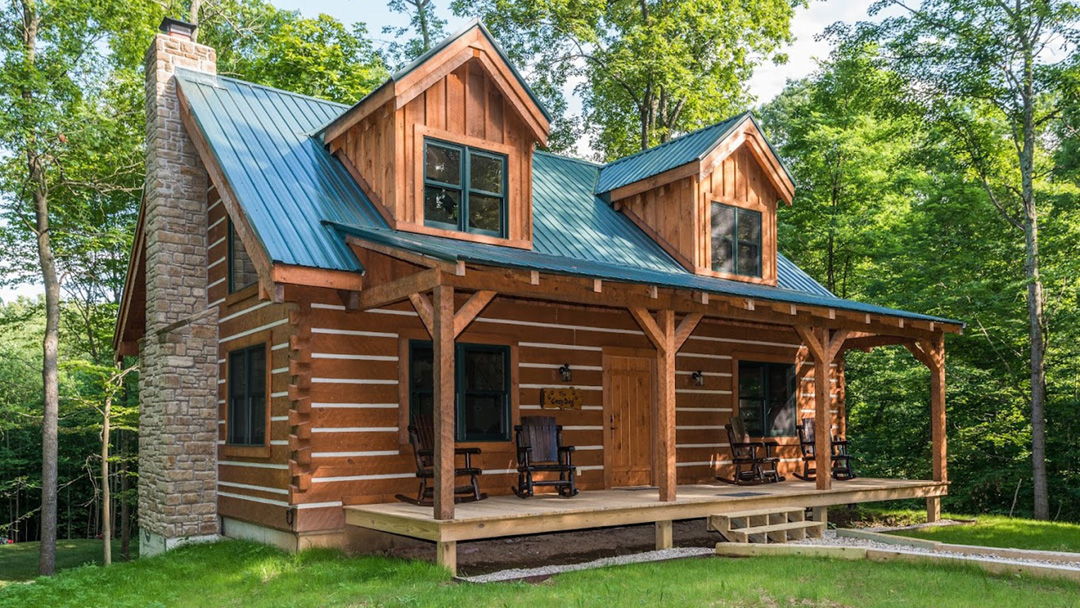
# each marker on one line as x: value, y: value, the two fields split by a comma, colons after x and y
x: 256, y: 85
x: 675, y: 139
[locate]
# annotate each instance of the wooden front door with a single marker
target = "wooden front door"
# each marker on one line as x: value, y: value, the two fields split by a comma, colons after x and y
x: 628, y: 418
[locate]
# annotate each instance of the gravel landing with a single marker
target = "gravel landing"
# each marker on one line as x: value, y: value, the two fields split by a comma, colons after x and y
x: 832, y: 540
x: 546, y: 571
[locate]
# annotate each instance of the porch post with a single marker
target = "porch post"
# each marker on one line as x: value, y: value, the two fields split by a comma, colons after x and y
x: 665, y: 414
x: 935, y: 350
x: 822, y: 419
x: 442, y: 335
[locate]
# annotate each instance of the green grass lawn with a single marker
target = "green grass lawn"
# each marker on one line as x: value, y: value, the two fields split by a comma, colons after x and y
x: 19, y: 562
x: 242, y: 574
x: 999, y: 531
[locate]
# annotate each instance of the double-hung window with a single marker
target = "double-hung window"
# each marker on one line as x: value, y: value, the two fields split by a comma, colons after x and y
x: 767, y: 398
x: 464, y: 189
x: 482, y: 389
x: 736, y: 240
x: 247, y: 396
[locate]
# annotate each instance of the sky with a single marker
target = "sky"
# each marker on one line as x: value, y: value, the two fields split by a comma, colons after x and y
x: 766, y: 83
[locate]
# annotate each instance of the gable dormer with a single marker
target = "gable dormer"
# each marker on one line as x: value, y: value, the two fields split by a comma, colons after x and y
x: 709, y: 198
x: 444, y: 147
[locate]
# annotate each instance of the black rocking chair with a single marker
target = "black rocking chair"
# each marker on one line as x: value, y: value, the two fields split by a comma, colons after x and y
x: 753, y: 460
x: 422, y: 438
x: 540, y: 450
x: 841, y: 460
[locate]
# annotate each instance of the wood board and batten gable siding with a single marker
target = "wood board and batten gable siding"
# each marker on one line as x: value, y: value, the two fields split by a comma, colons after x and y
x: 469, y: 106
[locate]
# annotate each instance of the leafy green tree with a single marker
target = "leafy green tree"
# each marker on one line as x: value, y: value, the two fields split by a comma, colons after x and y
x: 53, y: 78
x: 425, y: 26
x: 317, y: 56
x: 648, y: 70
x: 991, y: 72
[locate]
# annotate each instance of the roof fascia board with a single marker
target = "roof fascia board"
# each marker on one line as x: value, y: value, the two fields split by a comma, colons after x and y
x: 527, y: 109
x: 134, y: 260
x: 366, y: 106
x: 655, y: 181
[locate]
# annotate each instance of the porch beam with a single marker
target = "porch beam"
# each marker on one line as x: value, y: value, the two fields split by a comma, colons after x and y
x: 686, y: 327
x: 399, y: 289
x: 443, y: 347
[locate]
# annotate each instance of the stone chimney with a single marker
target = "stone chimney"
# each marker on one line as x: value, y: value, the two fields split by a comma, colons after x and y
x: 178, y: 415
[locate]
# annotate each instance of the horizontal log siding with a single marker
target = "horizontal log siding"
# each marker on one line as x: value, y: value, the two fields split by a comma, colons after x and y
x: 359, y: 450
x: 254, y: 489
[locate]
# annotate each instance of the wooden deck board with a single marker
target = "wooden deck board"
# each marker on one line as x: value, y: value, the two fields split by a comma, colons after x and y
x: 500, y: 516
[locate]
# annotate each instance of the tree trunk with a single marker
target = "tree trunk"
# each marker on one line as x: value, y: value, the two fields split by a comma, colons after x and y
x: 106, y: 492
x: 193, y: 18
x: 422, y: 17
x: 51, y: 340
x: 125, y: 508
x: 1034, y: 290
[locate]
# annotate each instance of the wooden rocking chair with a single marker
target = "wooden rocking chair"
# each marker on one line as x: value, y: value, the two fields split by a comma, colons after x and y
x: 753, y: 460
x: 841, y: 460
x: 422, y: 438
x: 540, y: 450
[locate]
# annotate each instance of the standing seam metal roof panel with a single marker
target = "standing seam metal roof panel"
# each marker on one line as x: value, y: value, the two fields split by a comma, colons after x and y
x: 286, y: 181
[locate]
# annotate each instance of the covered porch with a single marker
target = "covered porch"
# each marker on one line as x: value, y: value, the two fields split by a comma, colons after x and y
x: 448, y: 292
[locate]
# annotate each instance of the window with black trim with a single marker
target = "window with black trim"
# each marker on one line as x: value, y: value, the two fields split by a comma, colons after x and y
x: 241, y: 269
x: 247, y: 396
x: 736, y: 240
x: 767, y: 398
x: 464, y: 189
x: 482, y: 387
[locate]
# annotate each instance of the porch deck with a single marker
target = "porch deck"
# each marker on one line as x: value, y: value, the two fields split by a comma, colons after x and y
x: 501, y: 516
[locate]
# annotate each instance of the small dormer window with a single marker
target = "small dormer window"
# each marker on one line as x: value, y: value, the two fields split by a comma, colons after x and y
x: 736, y: 240
x: 464, y: 189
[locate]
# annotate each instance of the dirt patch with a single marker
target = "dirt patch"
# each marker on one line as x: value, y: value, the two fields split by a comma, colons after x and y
x: 484, y: 556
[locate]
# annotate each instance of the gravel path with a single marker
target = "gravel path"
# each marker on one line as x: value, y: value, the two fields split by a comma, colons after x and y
x: 831, y: 539
x: 633, y: 558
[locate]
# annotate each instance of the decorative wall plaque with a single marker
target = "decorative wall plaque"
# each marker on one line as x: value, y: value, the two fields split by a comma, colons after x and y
x: 561, y: 398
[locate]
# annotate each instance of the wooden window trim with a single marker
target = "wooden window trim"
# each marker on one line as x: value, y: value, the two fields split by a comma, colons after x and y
x: 762, y: 357
x: 509, y: 239
x: 736, y: 242
x: 468, y: 337
x: 769, y: 255
x: 249, y: 451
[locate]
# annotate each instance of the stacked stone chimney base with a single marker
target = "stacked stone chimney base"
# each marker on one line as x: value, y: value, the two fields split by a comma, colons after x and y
x: 178, y: 426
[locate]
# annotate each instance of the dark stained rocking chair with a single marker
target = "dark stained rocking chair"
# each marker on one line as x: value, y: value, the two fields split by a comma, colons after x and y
x: 422, y: 438
x: 841, y: 460
x: 540, y: 450
x: 753, y: 460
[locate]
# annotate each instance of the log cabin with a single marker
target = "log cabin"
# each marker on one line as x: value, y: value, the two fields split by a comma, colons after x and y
x: 307, y: 277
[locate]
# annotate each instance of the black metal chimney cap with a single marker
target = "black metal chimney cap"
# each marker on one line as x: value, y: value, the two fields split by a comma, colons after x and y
x: 175, y: 27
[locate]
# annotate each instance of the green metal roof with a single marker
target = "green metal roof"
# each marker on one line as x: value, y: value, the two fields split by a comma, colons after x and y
x: 302, y: 202
x: 284, y: 180
x: 691, y: 147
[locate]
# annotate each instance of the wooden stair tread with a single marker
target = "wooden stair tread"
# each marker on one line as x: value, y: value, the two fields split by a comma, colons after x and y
x: 758, y: 512
x: 791, y: 525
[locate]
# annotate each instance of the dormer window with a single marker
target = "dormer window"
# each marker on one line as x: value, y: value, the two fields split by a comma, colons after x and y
x: 736, y: 240
x: 464, y: 189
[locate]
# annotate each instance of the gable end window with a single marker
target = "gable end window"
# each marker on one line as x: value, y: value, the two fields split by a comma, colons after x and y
x: 482, y: 389
x: 767, y: 398
x: 464, y: 189
x: 736, y: 240
x: 247, y: 396
x: 241, y: 269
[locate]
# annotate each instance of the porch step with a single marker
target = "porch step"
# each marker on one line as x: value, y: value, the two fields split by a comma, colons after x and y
x: 765, y: 526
